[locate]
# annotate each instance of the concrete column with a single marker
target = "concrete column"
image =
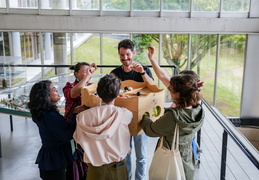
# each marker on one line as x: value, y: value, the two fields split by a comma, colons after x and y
x: 47, y: 45
x: 250, y: 95
x: 16, y: 47
x: 60, y: 51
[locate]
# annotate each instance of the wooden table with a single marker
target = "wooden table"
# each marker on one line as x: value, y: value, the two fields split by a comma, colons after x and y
x: 12, y: 112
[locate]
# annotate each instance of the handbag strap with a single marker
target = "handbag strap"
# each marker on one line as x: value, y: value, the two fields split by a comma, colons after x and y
x: 175, y: 142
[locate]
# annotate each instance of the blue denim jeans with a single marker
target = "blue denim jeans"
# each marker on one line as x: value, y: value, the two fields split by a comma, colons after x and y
x: 140, y: 145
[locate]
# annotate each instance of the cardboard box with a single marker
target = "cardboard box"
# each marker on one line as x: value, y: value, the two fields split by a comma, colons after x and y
x: 150, y: 101
x: 252, y: 134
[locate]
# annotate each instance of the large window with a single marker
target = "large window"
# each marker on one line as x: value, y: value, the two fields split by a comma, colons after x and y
x: 86, y: 4
x: 23, y: 3
x: 230, y: 74
x: 218, y: 63
x: 176, y: 5
x: 135, y: 5
x: 2, y: 3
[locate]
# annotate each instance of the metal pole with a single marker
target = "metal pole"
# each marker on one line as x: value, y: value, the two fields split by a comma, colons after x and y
x: 224, y: 156
x: 11, y: 122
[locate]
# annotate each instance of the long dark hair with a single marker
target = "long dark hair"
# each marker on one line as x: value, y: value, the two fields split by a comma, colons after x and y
x: 39, y: 99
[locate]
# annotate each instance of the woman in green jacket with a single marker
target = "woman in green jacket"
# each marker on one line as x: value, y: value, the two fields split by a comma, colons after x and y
x: 188, y: 114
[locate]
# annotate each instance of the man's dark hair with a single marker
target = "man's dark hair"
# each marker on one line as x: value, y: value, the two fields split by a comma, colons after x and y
x: 126, y: 44
x: 108, y: 88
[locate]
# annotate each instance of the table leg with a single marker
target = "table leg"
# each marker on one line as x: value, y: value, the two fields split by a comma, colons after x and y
x: 11, y: 122
x: 0, y: 147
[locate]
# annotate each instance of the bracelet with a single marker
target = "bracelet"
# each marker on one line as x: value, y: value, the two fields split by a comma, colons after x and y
x: 143, y: 73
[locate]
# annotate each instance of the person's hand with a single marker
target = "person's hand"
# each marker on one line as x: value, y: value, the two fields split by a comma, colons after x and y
x: 93, y: 67
x: 151, y: 52
x: 80, y: 108
x: 137, y: 67
x: 200, y: 84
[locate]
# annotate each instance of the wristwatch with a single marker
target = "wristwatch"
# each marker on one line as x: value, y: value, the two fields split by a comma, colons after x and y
x: 143, y: 73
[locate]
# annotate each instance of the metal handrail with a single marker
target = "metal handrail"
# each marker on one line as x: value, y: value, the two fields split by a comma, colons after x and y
x: 65, y: 65
x: 238, y: 138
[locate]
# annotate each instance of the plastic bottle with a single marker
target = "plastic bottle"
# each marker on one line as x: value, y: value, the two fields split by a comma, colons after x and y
x: 4, y: 82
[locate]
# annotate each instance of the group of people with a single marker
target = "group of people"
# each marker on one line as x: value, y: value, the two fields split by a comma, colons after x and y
x: 102, y: 132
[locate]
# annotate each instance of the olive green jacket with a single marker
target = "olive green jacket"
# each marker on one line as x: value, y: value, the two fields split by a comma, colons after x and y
x: 189, y: 121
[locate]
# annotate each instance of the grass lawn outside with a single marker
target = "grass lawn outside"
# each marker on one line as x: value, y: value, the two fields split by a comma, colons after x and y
x: 230, y: 73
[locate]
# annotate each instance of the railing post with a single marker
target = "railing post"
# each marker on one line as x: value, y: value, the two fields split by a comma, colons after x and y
x: 199, y: 137
x: 224, y: 155
x: 0, y: 147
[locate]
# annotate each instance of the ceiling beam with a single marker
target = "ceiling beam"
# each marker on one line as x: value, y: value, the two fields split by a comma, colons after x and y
x: 50, y: 23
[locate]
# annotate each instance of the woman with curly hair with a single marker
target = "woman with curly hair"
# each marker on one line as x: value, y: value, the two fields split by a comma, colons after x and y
x: 55, y: 153
x: 187, y: 113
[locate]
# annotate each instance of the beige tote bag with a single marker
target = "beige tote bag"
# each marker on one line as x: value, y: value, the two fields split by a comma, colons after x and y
x: 167, y: 164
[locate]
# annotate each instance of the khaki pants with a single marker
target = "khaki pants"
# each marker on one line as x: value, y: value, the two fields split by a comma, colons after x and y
x: 112, y: 171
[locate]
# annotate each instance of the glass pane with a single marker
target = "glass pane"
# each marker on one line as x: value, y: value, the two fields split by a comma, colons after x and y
x: 236, y: 5
x: 2, y: 4
x: 176, y: 5
x: 4, y: 44
x: 116, y: 4
x: 31, y: 53
x: 55, y: 4
x: 175, y: 49
x: 204, y: 5
x: 230, y: 74
x: 88, y: 50
x: 23, y: 3
x: 48, y: 53
x: 142, y: 41
x: 203, y: 60
x: 146, y: 5
x: 48, y: 47
x: 85, y: 4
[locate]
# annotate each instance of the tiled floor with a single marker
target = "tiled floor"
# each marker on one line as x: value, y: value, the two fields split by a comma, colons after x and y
x: 20, y: 148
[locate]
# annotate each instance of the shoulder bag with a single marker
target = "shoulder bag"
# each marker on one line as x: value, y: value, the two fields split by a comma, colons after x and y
x: 167, y: 164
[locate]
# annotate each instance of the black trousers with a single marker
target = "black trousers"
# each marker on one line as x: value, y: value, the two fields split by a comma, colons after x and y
x: 59, y: 174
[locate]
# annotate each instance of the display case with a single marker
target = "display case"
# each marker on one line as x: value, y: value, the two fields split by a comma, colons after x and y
x: 14, y: 100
